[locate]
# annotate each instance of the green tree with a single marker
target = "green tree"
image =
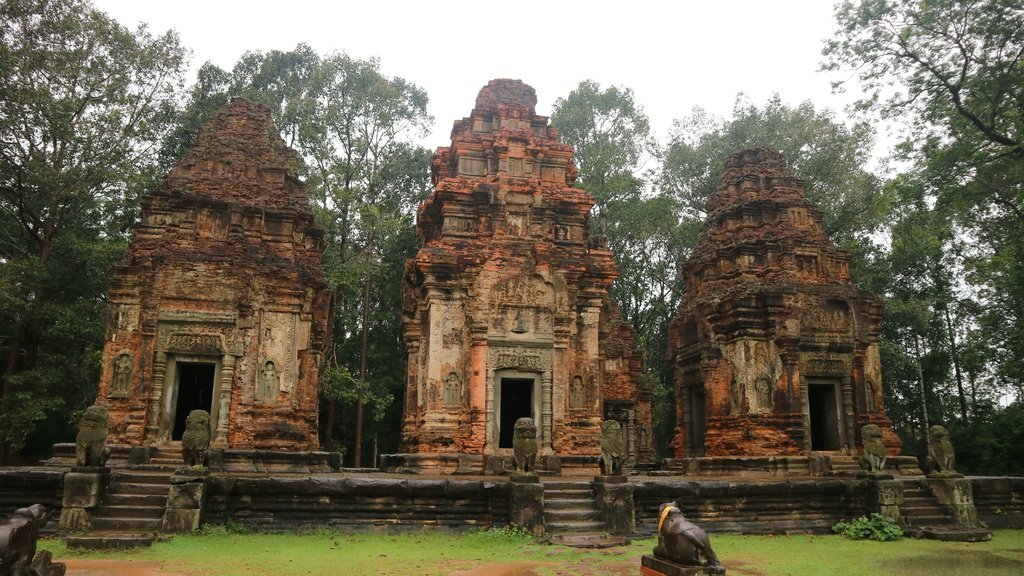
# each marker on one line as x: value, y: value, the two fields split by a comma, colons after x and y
x: 83, y: 102
x: 614, y: 145
x: 951, y: 73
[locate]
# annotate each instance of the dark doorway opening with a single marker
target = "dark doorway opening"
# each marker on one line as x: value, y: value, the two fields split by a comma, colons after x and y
x: 195, y: 391
x: 696, y: 422
x: 824, y: 416
x: 516, y: 403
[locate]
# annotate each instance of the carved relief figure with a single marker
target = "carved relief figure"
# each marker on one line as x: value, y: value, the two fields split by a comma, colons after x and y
x: 940, y: 451
x: 763, y: 388
x: 524, y: 445
x: 269, y: 381
x: 682, y: 541
x: 737, y: 392
x: 577, y: 393
x: 122, y: 374
x: 870, y: 395
x: 873, y: 459
x: 453, y: 391
x: 91, y: 441
x: 515, y: 225
x: 196, y: 440
x: 613, y: 448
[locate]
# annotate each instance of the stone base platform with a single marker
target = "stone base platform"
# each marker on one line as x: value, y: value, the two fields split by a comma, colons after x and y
x: 241, y: 461
x: 816, y: 464
x: 654, y: 566
x: 951, y: 533
x: 486, y: 464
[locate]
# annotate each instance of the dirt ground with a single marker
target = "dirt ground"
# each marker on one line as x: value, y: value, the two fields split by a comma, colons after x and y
x: 83, y: 567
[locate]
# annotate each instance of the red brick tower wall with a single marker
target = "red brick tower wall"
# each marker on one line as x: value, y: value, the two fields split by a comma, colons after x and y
x: 223, y: 272
x: 509, y: 287
x: 769, y: 312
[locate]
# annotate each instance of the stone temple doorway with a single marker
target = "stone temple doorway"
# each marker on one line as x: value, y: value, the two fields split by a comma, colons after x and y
x: 823, y: 413
x: 193, y: 390
x: 516, y: 399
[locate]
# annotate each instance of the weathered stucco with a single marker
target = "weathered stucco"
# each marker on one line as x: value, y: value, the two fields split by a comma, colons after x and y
x: 772, y: 344
x: 222, y: 276
x: 509, y: 289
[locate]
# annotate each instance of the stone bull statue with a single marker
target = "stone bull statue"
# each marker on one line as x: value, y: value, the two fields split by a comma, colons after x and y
x: 18, y: 537
x: 682, y: 541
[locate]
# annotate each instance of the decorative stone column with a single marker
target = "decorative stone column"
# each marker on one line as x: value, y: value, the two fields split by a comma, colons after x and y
x: 186, y: 500
x: 886, y: 496
x: 526, y: 503
x: 614, y: 496
x: 957, y: 495
x: 227, y: 374
x: 156, y: 397
x: 84, y: 487
x: 545, y: 411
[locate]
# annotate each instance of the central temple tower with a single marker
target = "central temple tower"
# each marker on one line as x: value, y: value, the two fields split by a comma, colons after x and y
x: 506, y: 308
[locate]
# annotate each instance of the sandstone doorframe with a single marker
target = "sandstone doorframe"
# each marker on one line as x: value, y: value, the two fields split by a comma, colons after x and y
x: 172, y: 389
x: 214, y: 338
x: 506, y: 377
x: 534, y: 362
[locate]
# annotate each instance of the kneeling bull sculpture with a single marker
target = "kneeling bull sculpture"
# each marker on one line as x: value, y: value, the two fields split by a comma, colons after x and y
x: 682, y: 541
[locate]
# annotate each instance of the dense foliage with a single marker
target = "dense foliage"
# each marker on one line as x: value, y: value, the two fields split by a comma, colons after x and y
x: 876, y: 527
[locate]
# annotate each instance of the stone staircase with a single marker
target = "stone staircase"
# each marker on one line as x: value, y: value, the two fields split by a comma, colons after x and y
x: 921, y: 510
x: 569, y: 506
x: 132, y: 509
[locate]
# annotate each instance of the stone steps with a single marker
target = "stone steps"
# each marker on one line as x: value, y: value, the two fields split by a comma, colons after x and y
x: 131, y: 512
x: 569, y: 507
x: 110, y: 540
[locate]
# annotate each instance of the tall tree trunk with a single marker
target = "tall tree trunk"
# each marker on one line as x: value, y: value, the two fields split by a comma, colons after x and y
x: 9, y: 370
x: 364, y: 338
x: 956, y: 366
x: 924, y: 397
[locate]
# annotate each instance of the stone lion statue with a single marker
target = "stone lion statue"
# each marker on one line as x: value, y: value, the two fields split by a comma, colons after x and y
x: 682, y: 541
x: 91, y: 442
x: 196, y: 439
x: 18, y: 536
x: 873, y: 458
x: 524, y: 445
x: 613, y: 448
x: 940, y: 451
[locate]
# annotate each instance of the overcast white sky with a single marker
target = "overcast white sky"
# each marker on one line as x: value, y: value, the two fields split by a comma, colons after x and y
x: 674, y: 54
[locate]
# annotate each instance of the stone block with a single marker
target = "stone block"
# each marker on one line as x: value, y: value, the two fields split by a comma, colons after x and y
x: 181, y: 521
x: 956, y: 493
x: 614, y: 497
x: 84, y: 489
x: 526, y: 506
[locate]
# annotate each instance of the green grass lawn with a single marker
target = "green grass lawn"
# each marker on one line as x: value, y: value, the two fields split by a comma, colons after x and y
x: 431, y: 553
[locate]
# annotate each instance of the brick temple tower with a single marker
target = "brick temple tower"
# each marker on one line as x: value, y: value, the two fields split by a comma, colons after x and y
x: 220, y: 303
x: 506, y: 308
x: 775, y: 351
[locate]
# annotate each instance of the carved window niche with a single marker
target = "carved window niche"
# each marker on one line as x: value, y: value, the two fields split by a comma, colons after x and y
x: 124, y: 365
x: 807, y: 263
x: 552, y: 173
x: 453, y: 391
x: 516, y: 166
x: 470, y: 166
x: 562, y: 233
x: 459, y: 225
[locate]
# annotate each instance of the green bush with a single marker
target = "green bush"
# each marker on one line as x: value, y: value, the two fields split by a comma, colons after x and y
x: 877, y: 527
